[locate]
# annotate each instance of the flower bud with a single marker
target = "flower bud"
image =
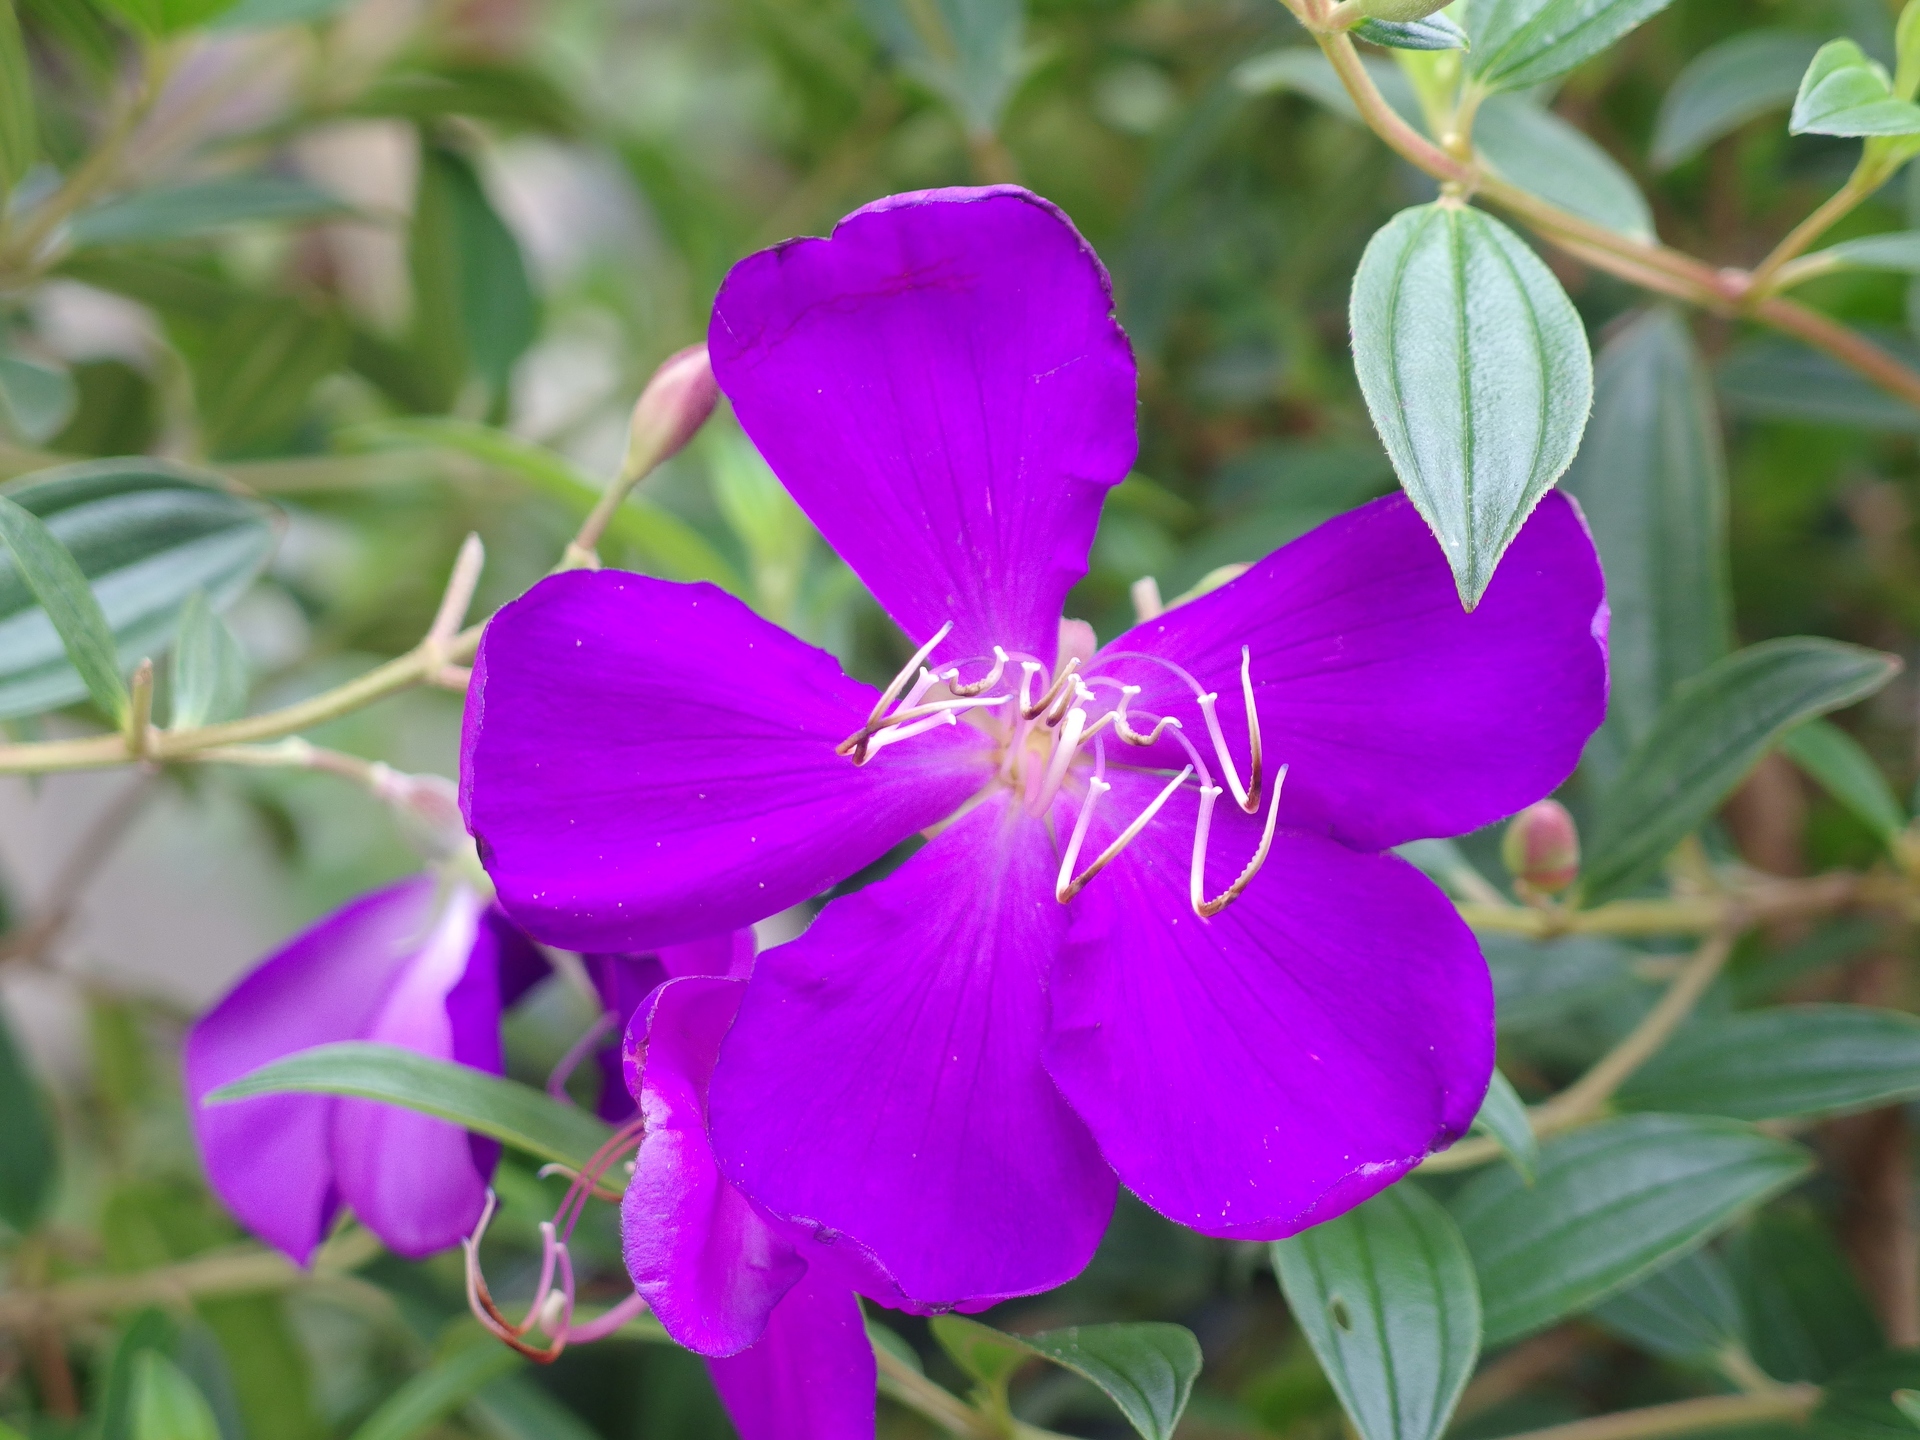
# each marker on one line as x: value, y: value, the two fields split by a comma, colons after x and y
x: 1542, y: 848
x: 1400, y: 10
x: 675, y: 404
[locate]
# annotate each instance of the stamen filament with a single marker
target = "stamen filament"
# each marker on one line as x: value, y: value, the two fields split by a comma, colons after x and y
x: 1046, y: 701
x: 1207, y: 909
x: 991, y: 679
x: 899, y: 683
x: 1065, y: 889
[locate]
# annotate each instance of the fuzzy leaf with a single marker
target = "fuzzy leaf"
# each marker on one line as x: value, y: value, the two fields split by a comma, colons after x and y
x: 1434, y: 32
x: 1846, y: 93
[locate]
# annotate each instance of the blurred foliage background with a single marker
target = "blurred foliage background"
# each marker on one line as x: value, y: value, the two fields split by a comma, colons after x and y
x: 400, y: 268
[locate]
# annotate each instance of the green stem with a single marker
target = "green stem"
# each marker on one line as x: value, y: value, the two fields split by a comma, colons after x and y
x: 900, y: 1381
x: 1765, y: 277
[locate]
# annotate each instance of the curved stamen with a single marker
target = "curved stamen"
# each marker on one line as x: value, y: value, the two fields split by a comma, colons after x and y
x: 1068, y: 884
x: 985, y: 683
x: 1053, y: 693
x: 578, y: 1052
x: 1207, y: 909
x: 899, y: 682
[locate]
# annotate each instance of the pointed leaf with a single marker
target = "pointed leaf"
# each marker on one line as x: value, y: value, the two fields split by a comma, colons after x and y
x: 512, y: 1113
x: 988, y: 1356
x: 476, y: 309
x: 1779, y: 1063
x: 166, y: 1406
x: 1837, y: 760
x: 1774, y: 378
x: 1503, y: 1118
x: 1709, y: 734
x: 210, y: 679
x: 1476, y: 372
x: 1846, y: 93
x: 1517, y: 43
x: 181, y: 211
x: 1689, y: 1310
x: 436, y: 1392
x: 28, y: 1157
x: 1387, y: 1298
x: 1725, y: 86
x: 1610, y: 1204
x: 49, y: 571
x: 19, y: 130
x: 1146, y: 1369
x: 1435, y: 32
x: 1541, y: 153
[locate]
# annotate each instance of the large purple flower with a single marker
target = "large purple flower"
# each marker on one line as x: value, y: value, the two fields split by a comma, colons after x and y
x: 423, y: 964
x: 1152, y: 932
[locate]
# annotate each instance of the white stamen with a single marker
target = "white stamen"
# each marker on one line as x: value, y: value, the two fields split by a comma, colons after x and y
x: 1207, y: 909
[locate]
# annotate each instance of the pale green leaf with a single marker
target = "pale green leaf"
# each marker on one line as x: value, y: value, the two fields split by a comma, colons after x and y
x: 265, y: 14
x: 210, y: 677
x: 1535, y: 149
x: 1517, y: 43
x: 513, y: 1407
x: 36, y: 400
x: 1306, y: 71
x: 182, y: 211
x: 1845, y: 770
x: 48, y: 571
x: 968, y: 52
x: 1434, y: 32
x: 167, y: 17
x: 1475, y: 369
x: 438, y: 1391
x: 1725, y: 86
x: 1387, y: 1299
x: 1774, y: 378
x: 1146, y: 1369
x: 1897, y: 250
x: 1844, y: 92
x: 166, y: 1405
x: 1503, y: 1119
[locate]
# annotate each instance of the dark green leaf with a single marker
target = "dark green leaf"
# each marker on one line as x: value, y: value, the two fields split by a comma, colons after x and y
x: 514, y: 96
x: 210, y: 678
x: 166, y: 1406
x: 1435, y: 32
x: 36, y: 401
x: 1543, y: 154
x: 1774, y: 378
x: 1147, y: 1370
x: 1652, y: 480
x: 19, y: 130
x: 1476, y: 372
x: 1844, y: 92
x: 1608, y: 1205
x: 1517, y: 43
x: 1806, y: 1316
x: 1538, y: 984
x: 1386, y: 1297
x: 254, y: 369
x: 1834, y: 758
x: 512, y: 1407
x: 438, y: 1391
x: 28, y: 1157
x: 476, y: 312
x: 1725, y: 86
x: 187, y: 210
x: 512, y: 1113
x: 147, y: 535
x: 1710, y: 733
x: 1503, y: 1118
x: 1688, y: 1311
x: 44, y: 568
x: 1859, y: 1404
x: 1782, y: 1062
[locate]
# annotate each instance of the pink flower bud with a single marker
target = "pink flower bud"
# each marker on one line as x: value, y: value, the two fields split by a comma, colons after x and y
x: 675, y: 404
x: 1542, y: 848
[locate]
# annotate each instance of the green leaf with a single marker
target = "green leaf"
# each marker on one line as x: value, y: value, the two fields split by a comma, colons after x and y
x: 29, y: 1158
x: 968, y: 52
x: 167, y: 17
x: 1476, y: 372
x: 1503, y: 1118
x: 1688, y: 1311
x: 1806, y: 1316
x: 1844, y: 92
x: 1860, y: 1403
x: 181, y: 211
x: 1147, y: 1369
x: 50, y: 573
x: 1725, y: 86
x: 507, y: 1111
x: 1517, y: 43
x: 1652, y: 479
x: 210, y: 679
x: 19, y: 130
x: 1897, y: 250
x: 147, y: 535
x: 1435, y: 32
x: 475, y: 310
x: 265, y: 14
x: 1608, y: 1205
x: 1535, y: 149
x: 255, y: 368
x: 1783, y: 1062
x: 1538, y: 984
x: 512, y: 1407
x: 1774, y: 378
x: 1907, y: 1402
x: 36, y: 401
x: 1834, y: 758
x: 166, y: 1406
x: 1386, y: 1297
x: 1709, y: 734
x: 1305, y: 70
x: 438, y: 1391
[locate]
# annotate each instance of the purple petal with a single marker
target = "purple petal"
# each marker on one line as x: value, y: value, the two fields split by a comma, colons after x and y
x: 647, y: 763
x: 417, y: 1182
x: 883, y: 1080
x: 517, y: 959
x: 730, y: 955
x: 1259, y: 1072
x: 623, y: 981
x: 270, y: 1159
x: 810, y: 1377
x: 943, y: 388
x: 1400, y: 715
x: 700, y: 1257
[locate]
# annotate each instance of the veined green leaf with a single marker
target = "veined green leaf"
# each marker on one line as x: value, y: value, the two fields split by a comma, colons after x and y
x: 166, y: 1405
x: 1503, y: 1119
x: 1517, y: 43
x: 1651, y: 477
x: 1608, y: 1205
x: 1689, y: 1310
x: 29, y: 1159
x: 1725, y: 86
x: 1541, y: 153
x: 19, y: 130
x: 512, y: 1113
x: 210, y: 679
x: 1386, y: 1296
x: 1434, y: 32
x: 1147, y: 1369
x: 438, y: 1391
x: 1476, y: 371
x: 1783, y: 1062
x: 146, y: 535
x: 1710, y: 733
x: 476, y: 311
x: 181, y: 211
x: 49, y: 572
x: 1807, y: 1318
x: 1834, y: 758
x: 1537, y: 984
x: 1844, y: 92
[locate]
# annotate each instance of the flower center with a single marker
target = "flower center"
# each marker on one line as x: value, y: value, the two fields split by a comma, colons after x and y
x: 1048, y: 724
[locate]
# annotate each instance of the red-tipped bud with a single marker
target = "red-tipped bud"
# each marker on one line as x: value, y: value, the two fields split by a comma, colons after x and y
x: 675, y: 404
x: 1542, y: 848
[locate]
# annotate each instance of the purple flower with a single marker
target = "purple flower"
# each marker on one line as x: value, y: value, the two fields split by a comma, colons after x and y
x: 944, y: 1075
x: 787, y: 1347
x: 423, y: 964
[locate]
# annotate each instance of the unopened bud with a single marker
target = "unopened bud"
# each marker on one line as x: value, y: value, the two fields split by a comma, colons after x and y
x: 675, y: 404
x: 1401, y: 10
x: 1542, y: 848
